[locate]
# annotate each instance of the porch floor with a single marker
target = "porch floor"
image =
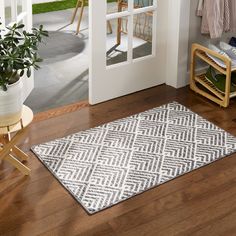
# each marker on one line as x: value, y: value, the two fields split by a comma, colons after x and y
x: 63, y: 77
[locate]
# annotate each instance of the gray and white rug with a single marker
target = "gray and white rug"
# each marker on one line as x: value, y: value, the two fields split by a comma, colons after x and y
x: 108, y: 164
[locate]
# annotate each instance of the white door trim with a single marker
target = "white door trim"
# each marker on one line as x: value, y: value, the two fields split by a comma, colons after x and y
x: 177, y: 44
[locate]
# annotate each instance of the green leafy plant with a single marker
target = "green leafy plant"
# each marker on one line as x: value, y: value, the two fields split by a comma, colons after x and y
x: 18, y: 53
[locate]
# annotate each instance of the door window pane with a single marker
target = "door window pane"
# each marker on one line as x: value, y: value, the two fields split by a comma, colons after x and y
x: 142, y: 3
x: 142, y: 35
x: 117, y: 40
x: 116, y: 6
x: 7, y: 11
x: 19, y: 6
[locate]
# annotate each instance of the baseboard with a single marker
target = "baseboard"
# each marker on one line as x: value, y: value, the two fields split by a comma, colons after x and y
x: 60, y: 111
x: 186, y: 81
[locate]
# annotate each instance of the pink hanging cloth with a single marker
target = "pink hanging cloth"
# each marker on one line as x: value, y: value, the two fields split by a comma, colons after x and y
x: 216, y: 16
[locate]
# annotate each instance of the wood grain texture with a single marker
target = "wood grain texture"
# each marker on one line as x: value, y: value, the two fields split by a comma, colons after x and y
x: 60, y: 111
x: 199, y: 203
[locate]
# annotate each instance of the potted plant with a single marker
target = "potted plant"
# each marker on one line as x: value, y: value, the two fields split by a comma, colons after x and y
x: 18, y: 56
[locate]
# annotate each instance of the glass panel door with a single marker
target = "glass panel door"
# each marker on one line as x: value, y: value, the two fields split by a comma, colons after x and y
x: 127, y: 47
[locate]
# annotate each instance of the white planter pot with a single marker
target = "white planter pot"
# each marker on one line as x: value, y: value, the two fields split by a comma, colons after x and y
x: 11, y: 103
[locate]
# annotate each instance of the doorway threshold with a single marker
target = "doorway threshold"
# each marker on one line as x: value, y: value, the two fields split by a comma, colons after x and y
x: 59, y: 111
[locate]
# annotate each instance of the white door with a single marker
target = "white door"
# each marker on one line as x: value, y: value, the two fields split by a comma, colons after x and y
x: 127, y: 47
x: 18, y: 11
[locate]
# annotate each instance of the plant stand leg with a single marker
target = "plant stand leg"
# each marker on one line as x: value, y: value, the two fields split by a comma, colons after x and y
x: 75, y: 11
x: 17, y: 164
x: 19, y: 153
x: 80, y: 16
x: 15, y: 150
x: 7, y: 149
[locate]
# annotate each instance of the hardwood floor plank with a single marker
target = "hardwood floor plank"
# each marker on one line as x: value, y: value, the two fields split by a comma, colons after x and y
x: 60, y: 111
x: 146, y: 213
x: 44, y: 224
x: 162, y: 222
x: 206, y: 217
x: 100, y: 230
x: 223, y: 226
x: 32, y: 212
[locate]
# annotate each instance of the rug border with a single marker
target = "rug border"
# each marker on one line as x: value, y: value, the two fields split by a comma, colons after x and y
x: 105, y: 208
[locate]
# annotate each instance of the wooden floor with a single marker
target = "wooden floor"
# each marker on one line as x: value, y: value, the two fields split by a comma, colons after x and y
x: 202, y: 202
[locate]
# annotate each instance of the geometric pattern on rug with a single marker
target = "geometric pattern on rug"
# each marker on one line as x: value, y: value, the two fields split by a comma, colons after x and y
x: 108, y: 164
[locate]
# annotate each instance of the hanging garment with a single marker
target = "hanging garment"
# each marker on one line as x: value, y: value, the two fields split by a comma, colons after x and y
x: 200, y: 7
x: 215, y: 17
x: 227, y: 15
x: 232, y: 7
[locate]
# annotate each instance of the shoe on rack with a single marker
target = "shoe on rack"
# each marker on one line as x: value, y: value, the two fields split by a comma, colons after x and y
x: 232, y: 42
x: 233, y: 78
x: 229, y: 50
x: 221, y: 52
x: 218, y: 80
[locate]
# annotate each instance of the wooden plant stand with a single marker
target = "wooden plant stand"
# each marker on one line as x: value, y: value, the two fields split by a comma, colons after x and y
x: 199, y: 51
x: 8, y: 150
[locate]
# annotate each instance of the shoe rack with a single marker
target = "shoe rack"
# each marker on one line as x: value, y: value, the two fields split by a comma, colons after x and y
x: 207, y: 89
